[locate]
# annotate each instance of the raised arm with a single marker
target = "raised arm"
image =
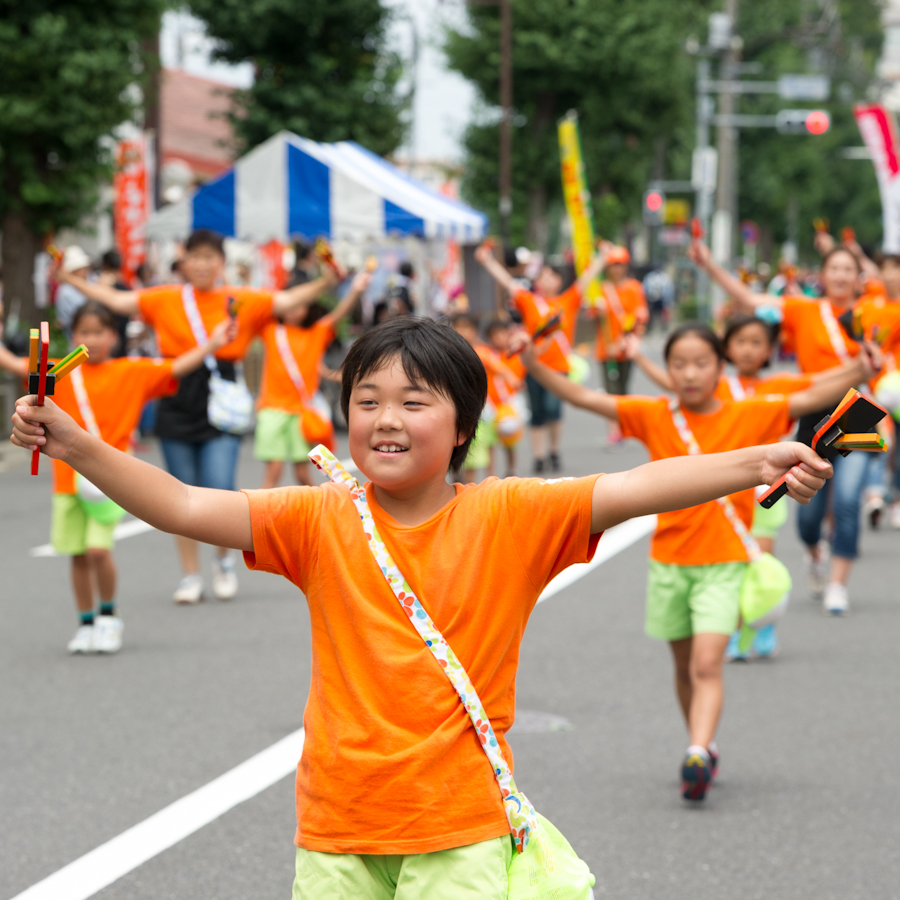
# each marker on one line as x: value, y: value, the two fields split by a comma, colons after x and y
x: 746, y: 300
x: 224, y: 333
x: 594, y: 267
x: 125, y: 303
x: 827, y: 390
x: 303, y: 294
x: 18, y: 365
x: 685, y: 481
x: 221, y: 518
x: 485, y: 256
x: 653, y: 371
x: 356, y: 290
x: 577, y: 394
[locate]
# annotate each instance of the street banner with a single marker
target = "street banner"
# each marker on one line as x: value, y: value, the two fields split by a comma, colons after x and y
x: 879, y: 132
x: 577, y: 198
x: 132, y: 186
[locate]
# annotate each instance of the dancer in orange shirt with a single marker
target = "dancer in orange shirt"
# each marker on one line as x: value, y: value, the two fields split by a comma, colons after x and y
x: 386, y: 733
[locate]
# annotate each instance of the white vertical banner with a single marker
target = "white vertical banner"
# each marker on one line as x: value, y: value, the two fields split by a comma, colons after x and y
x: 879, y: 132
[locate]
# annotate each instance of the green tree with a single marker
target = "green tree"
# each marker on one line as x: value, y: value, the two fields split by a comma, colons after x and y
x: 322, y: 69
x: 788, y: 180
x: 620, y: 63
x: 70, y: 76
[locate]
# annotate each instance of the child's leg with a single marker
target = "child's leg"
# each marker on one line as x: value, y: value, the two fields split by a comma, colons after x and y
x: 707, y: 689
x: 182, y: 461
x: 82, y: 586
x: 272, y: 474
x: 510, y: 461
x: 303, y: 473
x: 681, y: 656
x: 103, y: 567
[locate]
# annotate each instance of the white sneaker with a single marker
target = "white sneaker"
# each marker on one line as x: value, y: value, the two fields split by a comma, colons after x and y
x: 225, y: 583
x: 835, y: 602
x: 189, y: 590
x: 894, y: 515
x: 108, y: 634
x: 83, y: 641
x: 873, y: 507
x: 817, y: 570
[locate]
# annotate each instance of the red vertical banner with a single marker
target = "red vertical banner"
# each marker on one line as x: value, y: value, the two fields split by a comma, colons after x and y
x: 131, y: 204
x: 274, y: 274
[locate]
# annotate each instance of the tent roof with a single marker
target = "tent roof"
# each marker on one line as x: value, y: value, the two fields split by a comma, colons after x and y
x: 291, y: 186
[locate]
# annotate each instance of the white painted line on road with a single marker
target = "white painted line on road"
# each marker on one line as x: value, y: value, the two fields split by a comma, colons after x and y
x: 614, y: 541
x: 134, y: 527
x: 110, y: 861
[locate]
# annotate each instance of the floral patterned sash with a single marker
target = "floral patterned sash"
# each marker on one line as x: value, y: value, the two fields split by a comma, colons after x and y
x: 519, y: 812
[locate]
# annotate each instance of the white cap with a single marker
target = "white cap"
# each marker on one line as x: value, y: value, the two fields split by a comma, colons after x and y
x: 74, y: 258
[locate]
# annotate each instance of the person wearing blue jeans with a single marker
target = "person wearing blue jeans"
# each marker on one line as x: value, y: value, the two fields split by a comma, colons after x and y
x: 844, y: 492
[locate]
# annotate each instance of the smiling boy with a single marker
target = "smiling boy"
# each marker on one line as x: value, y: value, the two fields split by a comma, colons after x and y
x: 394, y: 797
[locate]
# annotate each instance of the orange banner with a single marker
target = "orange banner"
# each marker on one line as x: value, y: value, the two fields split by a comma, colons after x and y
x: 131, y: 204
x: 274, y: 275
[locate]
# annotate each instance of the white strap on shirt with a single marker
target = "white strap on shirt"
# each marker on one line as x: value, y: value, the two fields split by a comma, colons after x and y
x: 290, y: 363
x: 84, y: 403
x: 195, y: 320
x: 834, y: 330
x: 738, y: 391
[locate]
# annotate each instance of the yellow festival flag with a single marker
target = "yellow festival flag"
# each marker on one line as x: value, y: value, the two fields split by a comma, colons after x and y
x: 577, y: 198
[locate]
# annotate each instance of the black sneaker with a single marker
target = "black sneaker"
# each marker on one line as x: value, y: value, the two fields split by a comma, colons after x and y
x: 555, y: 464
x: 695, y: 776
x: 538, y: 466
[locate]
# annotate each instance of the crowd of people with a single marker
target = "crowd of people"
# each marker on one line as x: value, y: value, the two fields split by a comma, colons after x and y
x: 423, y: 398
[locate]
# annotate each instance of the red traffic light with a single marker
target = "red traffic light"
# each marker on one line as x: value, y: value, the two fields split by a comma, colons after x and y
x: 818, y: 122
x: 653, y: 201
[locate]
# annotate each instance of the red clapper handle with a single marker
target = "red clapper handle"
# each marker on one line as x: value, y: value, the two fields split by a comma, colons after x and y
x: 42, y: 386
x: 774, y: 493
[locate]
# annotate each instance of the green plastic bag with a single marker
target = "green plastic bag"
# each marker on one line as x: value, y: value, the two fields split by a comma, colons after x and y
x: 95, y: 503
x: 765, y: 592
x: 549, y: 869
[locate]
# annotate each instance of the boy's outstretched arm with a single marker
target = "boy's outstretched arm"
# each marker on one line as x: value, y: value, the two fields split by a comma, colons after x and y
x: 221, y: 518
x: 685, y: 481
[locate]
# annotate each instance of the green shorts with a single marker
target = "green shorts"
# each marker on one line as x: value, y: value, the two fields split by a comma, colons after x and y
x: 767, y: 522
x: 73, y: 531
x: 279, y: 438
x: 475, y: 872
x: 687, y: 600
x: 479, y: 456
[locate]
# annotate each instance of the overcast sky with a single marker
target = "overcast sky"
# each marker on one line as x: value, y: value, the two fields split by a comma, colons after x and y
x: 443, y: 101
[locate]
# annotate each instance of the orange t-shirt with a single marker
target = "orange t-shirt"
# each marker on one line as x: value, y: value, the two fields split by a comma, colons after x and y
x: 308, y: 346
x: 701, y: 535
x: 633, y: 302
x: 804, y: 330
x: 780, y: 383
x: 117, y: 390
x: 162, y: 309
x: 391, y: 763
x: 500, y: 377
x: 536, y: 309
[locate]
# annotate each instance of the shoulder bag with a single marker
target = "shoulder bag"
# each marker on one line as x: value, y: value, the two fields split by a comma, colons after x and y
x: 545, y: 867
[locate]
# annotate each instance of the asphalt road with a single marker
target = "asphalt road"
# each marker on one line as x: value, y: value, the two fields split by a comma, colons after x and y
x: 806, y: 806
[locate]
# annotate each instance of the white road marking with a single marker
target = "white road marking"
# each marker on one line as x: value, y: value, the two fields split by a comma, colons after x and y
x: 110, y: 861
x: 133, y: 527
x: 117, y: 857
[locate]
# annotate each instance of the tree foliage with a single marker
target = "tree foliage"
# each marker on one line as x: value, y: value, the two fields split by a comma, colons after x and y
x: 619, y: 63
x: 622, y: 65
x: 68, y: 73
x: 323, y: 69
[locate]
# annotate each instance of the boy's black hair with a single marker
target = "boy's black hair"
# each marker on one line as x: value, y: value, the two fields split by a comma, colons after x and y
x: 111, y: 260
x: 93, y: 308
x: 733, y: 326
x: 407, y: 270
x: 204, y: 237
x: 698, y: 329
x: 432, y: 354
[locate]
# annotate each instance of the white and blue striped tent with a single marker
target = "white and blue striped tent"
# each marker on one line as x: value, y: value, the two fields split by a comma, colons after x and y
x: 290, y: 186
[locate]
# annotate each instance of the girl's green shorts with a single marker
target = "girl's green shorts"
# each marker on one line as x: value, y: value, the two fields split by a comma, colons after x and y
x: 474, y: 872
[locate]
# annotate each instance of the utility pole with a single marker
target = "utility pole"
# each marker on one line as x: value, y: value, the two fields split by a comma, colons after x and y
x: 506, y: 104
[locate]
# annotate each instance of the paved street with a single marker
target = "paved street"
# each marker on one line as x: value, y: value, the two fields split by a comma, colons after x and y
x: 806, y: 806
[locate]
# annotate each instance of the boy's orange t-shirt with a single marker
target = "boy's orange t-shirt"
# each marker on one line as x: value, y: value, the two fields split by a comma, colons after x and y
x: 633, y: 301
x: 117, y: 390
x: 803, y: 330
x: 500, y: 388
x: 536, y: 310
x: 161, y: 308
x: 701, y: 535
x: 780, y: 383
x: 308, y: 346
x: 391, y: 763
